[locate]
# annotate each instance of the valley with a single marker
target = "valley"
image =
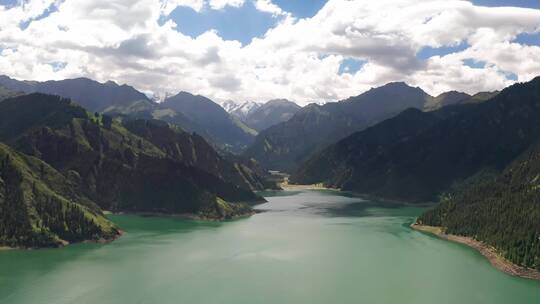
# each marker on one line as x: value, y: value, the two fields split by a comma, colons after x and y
x: 269, y: 151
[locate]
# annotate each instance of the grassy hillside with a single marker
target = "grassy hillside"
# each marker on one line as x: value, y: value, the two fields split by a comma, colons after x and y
x: 193, y: 150
x: 119, y: 170
x: 39, y: 207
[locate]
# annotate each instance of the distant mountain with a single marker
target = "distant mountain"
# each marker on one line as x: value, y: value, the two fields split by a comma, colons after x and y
x: 502, y: 211
x: 140, y: 171
x: 244, y: 110
x: 270, y: 113
x: 92, y: 95
x: 216, y: 122
x: 483, y: 96
x: 260, y: 116
x: 194, y: 114
x: 416, y: 156
x: 285, y: 145
x: 43, y: 208
x: 446, y: 99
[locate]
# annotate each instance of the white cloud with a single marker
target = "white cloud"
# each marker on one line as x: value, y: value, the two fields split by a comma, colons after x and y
x: 269, y: 7
x: 220, y: 4
x: 167, y: 6
x: 297, y: 59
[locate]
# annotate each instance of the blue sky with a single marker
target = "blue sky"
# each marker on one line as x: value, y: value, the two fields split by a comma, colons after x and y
x: 232, y: 23
x: 518, y: 3
x: 239, y: 23
x: 244, y: 23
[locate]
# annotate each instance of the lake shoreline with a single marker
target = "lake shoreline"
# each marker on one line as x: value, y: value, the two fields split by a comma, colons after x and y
x: 489, y: 252
x: 188, y: 216
x: 285, y: 186
x: 293, y: 187
x: 64, y: 243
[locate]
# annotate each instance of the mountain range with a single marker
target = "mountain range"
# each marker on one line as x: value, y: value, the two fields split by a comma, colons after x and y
x: 417, y: 155
x: 240, y: 110
x: 270, y: 113
x: 62, y: 164
x: 479, y: 160
x: 42, y: 207
x: 192, y: 113
x: 99, y: 163
x: 260, y: 116
x: 287, y: 144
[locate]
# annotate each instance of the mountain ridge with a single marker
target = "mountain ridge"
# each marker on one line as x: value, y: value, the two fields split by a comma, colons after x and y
x: 402, y: 155
x: 117, y: 169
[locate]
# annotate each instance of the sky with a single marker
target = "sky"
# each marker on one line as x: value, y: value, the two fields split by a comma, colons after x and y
x: 257, y: 50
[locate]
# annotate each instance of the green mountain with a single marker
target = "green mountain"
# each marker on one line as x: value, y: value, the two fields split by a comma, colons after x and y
x: 191, y: 113
x: 194, y: 151
x: 6, y: 93
x: 483, y: 96
x: 271, y: 113
x: 446, y: 99
x: 416, y: 156
x: 285, y: 145
x: 502, y: 211
x: 212, y: 118
x: 40, y: 207
x: 117, y: 169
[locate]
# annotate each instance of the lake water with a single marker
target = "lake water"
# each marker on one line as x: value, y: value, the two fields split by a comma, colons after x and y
x: 309, y: 247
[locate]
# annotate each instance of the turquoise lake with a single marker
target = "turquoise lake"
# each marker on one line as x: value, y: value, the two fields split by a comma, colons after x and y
x: 307, y: 247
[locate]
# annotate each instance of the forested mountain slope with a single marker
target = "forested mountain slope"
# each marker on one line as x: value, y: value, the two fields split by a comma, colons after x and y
x: 40, y: 207
x: 193, y: 150
x: 502, y: 211
x: 286, y: 145
x: 416, y: 155
x: 219, y: 125
x: 113, y: 167
x: 192, y: 113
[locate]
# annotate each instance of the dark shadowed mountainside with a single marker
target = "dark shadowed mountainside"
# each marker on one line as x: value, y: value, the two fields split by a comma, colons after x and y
x: 416, y: 156
x: 191, y: 113
x: 92, y: 95
x: 6, y: 93
x: 115, y: 168
x: 284, y: 146
x: 216, y: 122
x: 40, y: 207
x: 193, y: 150
x: 502, y: 211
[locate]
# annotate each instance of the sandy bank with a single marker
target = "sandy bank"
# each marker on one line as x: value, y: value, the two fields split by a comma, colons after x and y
x: 489, y: 252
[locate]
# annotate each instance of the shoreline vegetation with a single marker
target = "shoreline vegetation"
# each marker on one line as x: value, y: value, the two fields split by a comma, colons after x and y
x: 320, y: 186
x: 487, y: 251
x: 190, y: 216
x: 64, y: 243
x: 286, y: 186
x: 184, y: 216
